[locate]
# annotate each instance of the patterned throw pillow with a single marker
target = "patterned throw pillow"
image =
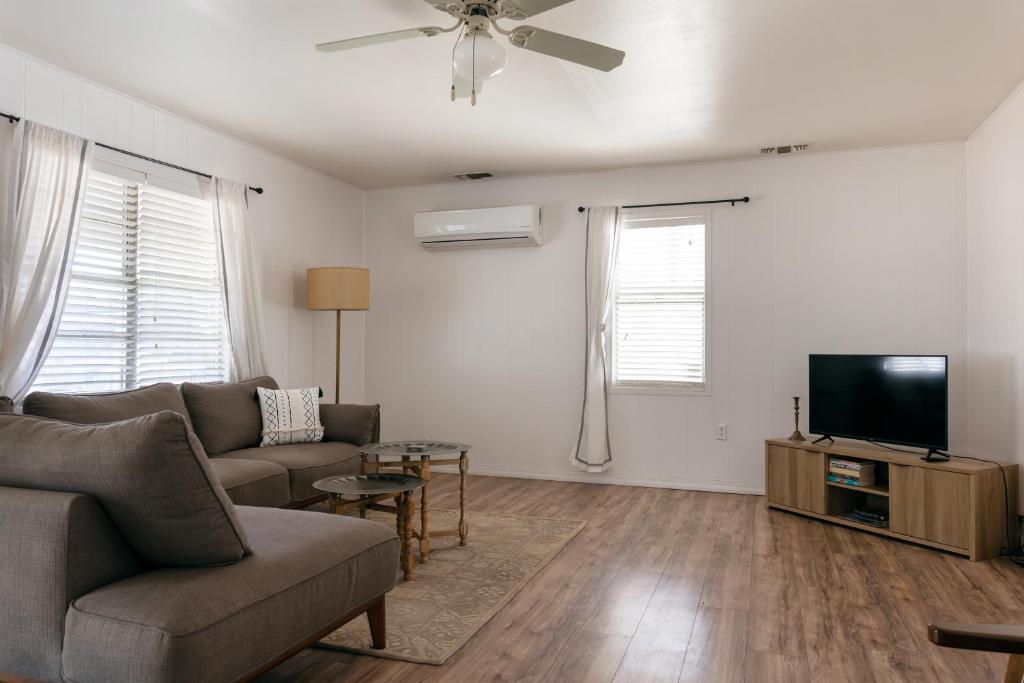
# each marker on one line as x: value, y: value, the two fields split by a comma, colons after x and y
x: 290, y: 416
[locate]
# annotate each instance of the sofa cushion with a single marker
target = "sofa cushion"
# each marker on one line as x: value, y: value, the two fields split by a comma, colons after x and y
x: 306, y: 462
x: 253, y: 482
x: 226, y: 415
x: 350, y: 423
x: 149, y: 473
x: 290, y: 416
x: 110, y: 407
x: 306, y: 571
x: 6, y: 405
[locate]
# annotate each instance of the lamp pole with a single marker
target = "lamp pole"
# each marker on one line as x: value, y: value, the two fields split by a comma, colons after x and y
x: 337, y: 358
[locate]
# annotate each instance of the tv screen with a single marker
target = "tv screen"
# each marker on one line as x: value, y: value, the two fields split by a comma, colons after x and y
x: 899, y: 400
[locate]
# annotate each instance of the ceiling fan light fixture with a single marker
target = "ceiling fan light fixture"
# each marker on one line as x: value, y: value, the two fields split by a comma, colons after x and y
x: 478, y: 57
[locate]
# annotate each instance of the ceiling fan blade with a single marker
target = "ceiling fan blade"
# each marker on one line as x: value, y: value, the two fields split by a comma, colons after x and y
x: 566, y: 47
x: 363, y: 41
x: 523, y: 9
x: 450, y: 6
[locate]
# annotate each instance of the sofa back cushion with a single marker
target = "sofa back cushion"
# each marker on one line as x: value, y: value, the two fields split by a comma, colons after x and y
x: 226, y: 415
x: 111, y: 407
x: 355, y: 424
x: 149, y: 473
x: 6, y: 405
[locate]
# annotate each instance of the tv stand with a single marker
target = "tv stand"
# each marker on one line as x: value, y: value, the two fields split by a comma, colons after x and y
x: 823, y: 438
x: 952, y: 505
x: 939, y: 456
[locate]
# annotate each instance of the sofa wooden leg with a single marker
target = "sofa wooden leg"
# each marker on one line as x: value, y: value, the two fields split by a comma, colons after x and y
x: 378, y: 625
x: 1014, y: 669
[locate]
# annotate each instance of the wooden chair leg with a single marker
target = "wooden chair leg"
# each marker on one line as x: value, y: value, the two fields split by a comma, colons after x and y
x: 378, y: 625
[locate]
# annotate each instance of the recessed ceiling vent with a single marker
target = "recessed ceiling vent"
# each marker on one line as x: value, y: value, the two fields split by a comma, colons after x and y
x: 472, y: 176
x: 784, y: 149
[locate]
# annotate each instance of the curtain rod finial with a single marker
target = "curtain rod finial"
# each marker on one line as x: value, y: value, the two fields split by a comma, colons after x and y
x: 257, y: 190
x: 582, y: 209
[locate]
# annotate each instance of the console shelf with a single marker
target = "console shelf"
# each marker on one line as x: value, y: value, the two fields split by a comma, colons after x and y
x: 957, y: 506
x: 873, y: 490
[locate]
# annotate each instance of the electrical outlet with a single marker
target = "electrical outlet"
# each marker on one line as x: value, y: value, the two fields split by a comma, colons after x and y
x: 723, y: 432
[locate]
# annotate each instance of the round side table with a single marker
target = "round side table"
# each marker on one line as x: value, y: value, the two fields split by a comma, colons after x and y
x: 368, y: 490
x: 418, y: 457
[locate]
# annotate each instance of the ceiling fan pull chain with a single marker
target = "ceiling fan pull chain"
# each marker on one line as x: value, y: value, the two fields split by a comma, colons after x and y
x: 472, y: 98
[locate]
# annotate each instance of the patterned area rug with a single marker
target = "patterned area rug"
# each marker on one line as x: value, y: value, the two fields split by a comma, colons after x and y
x: 451, y: 597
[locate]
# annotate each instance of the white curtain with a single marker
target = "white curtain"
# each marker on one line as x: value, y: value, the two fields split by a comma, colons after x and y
x: 47, y: 176
x: 593, y: 451
x: 242, y: 301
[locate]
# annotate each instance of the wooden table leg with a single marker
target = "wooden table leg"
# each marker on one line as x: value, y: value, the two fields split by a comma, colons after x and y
x: 404, y: 542
x: 463, y: 524
x: 409, y: 506
x: 425, y: 509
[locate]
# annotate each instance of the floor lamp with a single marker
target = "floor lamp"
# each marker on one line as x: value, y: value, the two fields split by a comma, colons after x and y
x: 337, y: 289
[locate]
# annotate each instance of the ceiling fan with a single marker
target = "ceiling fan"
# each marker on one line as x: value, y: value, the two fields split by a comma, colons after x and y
x: 477, y: 57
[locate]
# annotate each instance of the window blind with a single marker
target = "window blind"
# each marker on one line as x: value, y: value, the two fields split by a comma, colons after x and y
x: 180, y: 335
x: 660, y: 305
x: 144, y: 302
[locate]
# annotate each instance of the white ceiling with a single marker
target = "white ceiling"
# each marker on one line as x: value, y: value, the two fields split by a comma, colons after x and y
x: 703, y: 79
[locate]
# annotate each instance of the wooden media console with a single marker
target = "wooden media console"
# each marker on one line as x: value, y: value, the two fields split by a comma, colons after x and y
x: 958, y: 506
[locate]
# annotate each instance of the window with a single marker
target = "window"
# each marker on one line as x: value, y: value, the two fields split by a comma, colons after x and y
x: 659, y: 322
x: 144, y: 302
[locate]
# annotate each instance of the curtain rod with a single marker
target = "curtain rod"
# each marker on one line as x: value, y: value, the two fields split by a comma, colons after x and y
x: 744, y: 200
x: 258, y: 190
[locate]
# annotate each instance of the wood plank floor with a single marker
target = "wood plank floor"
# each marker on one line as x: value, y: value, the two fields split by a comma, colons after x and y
x: 677, y: 586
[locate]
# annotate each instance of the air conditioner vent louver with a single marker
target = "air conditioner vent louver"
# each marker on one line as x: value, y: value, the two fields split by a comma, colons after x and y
x: 784, y: 149
x: 473, y: 176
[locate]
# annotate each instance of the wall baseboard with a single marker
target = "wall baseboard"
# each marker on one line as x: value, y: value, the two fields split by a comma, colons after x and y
x: 746, y: 488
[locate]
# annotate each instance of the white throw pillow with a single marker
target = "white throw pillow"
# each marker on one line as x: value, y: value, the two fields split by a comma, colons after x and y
x: 290, y: 416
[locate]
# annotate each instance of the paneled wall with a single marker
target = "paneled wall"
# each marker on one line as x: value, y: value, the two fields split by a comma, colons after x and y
x: 304, y: 219
x: 995, y: 283
x: 845, y: 252
x: 859, y: 251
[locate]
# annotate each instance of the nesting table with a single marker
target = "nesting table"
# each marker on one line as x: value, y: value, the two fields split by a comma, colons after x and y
x: 417, y: 457
x: 368, y: 490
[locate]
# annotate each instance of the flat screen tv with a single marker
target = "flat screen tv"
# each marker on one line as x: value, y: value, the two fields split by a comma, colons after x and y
x: 901, y: 400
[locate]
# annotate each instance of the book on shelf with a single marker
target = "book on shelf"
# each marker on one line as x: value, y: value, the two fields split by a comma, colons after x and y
x: 851, y: 465
x: 850, y: 481
x: 863, y: 477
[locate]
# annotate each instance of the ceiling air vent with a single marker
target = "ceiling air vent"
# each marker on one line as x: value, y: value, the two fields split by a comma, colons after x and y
x: 472, y: 176
x: 784, y: 149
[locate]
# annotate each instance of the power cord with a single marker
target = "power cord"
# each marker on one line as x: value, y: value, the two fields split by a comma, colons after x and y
x: 1013, y: 550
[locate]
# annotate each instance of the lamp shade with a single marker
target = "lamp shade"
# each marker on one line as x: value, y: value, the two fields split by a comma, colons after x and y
x: 338, y: 289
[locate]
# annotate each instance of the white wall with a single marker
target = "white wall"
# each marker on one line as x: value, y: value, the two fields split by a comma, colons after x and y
x: 995, y: 289
x: 844, y: 252
x: 857, y: 251
x: 304, y: 219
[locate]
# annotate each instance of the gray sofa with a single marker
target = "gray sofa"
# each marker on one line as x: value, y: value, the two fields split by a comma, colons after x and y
x: 226, y: 418
x: 93, y: 585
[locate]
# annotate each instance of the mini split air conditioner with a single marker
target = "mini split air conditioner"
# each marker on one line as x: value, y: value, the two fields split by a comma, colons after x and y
x: 508, y: 226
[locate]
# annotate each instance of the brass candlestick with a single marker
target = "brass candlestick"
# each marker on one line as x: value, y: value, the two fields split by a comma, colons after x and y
x: 796, y: 435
